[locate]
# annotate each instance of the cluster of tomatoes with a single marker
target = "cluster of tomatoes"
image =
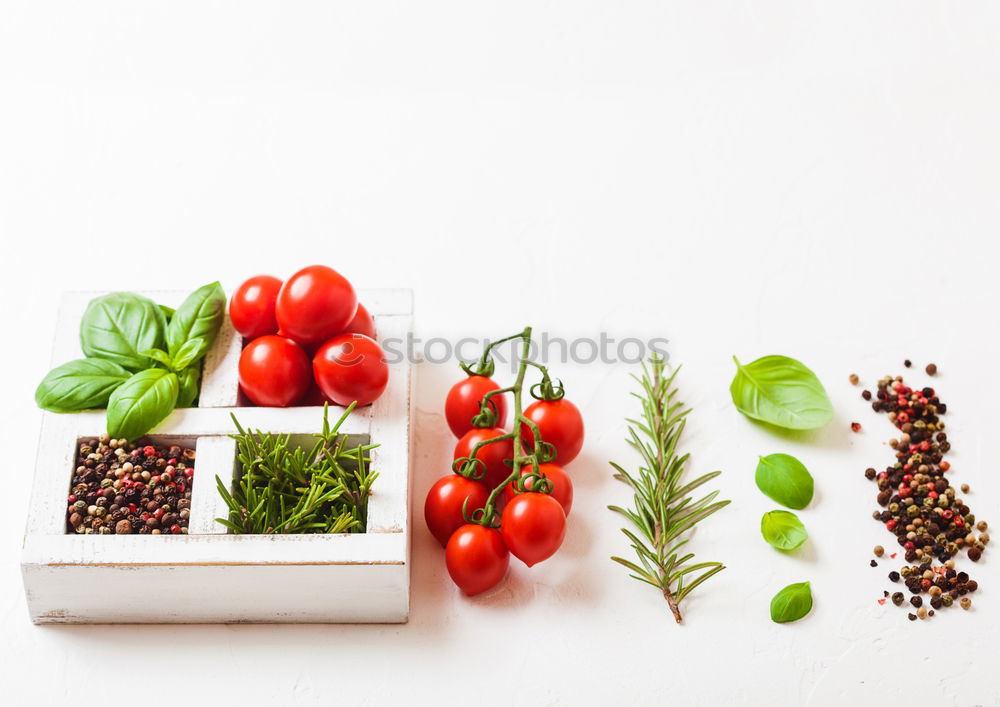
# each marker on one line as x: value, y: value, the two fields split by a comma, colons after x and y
x: 309, y: 341
x: 459, y: 510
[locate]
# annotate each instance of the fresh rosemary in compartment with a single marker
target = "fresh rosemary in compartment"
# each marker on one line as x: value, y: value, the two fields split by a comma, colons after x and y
x: 663, y: 509
x: 282, y: 487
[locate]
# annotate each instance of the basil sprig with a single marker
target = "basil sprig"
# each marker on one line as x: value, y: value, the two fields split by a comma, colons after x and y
x: 781, y: 391
x: 143, y: 359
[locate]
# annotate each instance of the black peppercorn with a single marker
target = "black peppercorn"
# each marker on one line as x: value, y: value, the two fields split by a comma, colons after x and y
x: 894, y: 576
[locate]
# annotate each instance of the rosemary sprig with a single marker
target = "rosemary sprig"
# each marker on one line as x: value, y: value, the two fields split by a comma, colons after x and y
x: 281, y: 489
x: 663, y: 511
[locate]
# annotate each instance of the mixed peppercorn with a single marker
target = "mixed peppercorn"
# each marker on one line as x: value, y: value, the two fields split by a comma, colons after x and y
x: 919, y: 506
x: 124, y: 489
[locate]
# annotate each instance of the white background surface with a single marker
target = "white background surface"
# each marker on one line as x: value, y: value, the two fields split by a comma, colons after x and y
x: 815, y: 179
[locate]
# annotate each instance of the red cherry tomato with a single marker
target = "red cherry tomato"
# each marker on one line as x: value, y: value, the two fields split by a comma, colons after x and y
x: 443, y: 507
x: 477, y: 558
x: 274, y: 371
x: 562, y: 487
x: 492, y: 455
x: 363, y: 323
x: 251, y: 308
x: 314, y: 304
x: 533, y: 526
x: 351, y: 367
x: 464, y: 399
x: 560, y: 424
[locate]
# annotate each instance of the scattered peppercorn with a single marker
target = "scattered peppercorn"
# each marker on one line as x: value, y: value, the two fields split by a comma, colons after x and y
x: 897, y: 598
x: 855, y: 427
x: 907, y: 363
x: 878, y: 550
x: 874, y: 563
x: 854, y: 378
x: 965, y: 602
x: 931, y: 369
x: 119, y: 488
x: 911, y: 617
x: 866, y: 394
x: 930, y: 521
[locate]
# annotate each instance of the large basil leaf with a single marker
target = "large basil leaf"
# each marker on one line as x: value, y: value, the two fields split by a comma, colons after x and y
x: 83, y: 384
x: 781, y: 391
x: 785, y: 479
x: 189, y: 381
x: 141, y: 402
x: 783, y: 530
x: 791, y: 603
x: 119, y: 326
x: 199, y: 317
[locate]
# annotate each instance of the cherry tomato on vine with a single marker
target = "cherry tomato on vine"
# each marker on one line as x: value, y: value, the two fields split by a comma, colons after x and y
x: 533, y: 526
x: 251, y: 308
x: 492, y: 455
x: 363, y: 323
x: 351, y: 367
x: 314, y: 304
x: 274, y: 371
x: 443, y: 507
x: 477, y: 558
x: 464, y: 399
x: 562, y: 487
x: 560, y: 424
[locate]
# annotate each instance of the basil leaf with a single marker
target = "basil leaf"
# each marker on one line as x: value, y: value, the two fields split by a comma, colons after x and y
x: 141, y: 402
x: 199, y: 317
x: 168, y: 312
x: 791, y: 603
x: 782, y: 392
x: 783, y: 530
x: 190, y: 378
x: 83, y: 384
x: 118, y: 327
x: 158, y: 355
x: 191, y: 350
x: 785, y: 479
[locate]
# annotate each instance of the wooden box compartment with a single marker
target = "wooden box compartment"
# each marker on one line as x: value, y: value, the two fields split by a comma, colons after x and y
x: 209, y: 575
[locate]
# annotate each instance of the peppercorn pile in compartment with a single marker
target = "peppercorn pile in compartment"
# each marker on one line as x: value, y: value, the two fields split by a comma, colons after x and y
x: 921, y: 508
x: 123, y: 488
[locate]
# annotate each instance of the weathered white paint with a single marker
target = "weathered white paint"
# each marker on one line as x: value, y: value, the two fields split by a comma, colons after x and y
x: 208, y: 575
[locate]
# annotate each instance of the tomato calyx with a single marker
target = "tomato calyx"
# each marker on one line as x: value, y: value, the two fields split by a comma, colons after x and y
x: 534, y: 481
x: 546, y: 389
x: 484, y: 367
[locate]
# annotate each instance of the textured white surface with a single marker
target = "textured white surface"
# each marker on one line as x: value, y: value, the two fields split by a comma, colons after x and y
x: 816, y: 179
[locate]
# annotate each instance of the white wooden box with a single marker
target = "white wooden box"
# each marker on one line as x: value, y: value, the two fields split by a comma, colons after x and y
x: 208, y: 575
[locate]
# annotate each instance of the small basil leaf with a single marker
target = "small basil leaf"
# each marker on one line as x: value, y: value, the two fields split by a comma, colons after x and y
x: 199, y: 317
x: 785, y: 479
x: 783, y: 530
x: 791, y: 603
x: 189, y: 386
x: 83, y: 384
x: 192, y: 350
x: 782, y: 392
x: 119, y: 326
x: 141, y: 402
x: 158, y: 355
